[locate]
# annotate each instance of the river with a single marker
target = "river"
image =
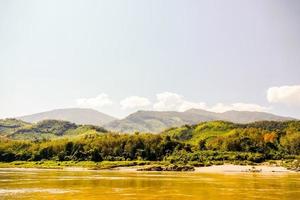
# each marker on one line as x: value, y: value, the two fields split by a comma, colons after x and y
x: 118, y: 185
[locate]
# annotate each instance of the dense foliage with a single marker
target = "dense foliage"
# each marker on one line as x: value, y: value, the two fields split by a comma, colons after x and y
x: 197, y: 144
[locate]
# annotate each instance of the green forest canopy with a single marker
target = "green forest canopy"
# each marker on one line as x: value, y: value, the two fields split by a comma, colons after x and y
x: 200, y: 143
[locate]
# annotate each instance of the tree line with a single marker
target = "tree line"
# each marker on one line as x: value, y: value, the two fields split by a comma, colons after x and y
x: 256, y: 143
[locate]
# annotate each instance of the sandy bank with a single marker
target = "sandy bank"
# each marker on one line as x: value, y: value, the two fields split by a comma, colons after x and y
x: 241, y: 168
x: 227, y: 168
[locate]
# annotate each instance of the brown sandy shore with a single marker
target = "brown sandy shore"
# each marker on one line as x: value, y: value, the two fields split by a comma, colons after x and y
x: 227, y: 168
x: 242, y: 168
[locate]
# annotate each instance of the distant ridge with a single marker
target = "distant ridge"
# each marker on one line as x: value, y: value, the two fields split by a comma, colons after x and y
x: 75, y: 115
x: 157, y: 121
x: 149, y: 121
x: 240, y: 116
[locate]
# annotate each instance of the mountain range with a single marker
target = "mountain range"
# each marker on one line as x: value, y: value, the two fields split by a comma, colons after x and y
x: 75, y: 115
x: 149, y: 121
x: 157, y: 121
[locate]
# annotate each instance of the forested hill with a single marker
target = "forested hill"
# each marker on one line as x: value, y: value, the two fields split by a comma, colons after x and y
x: 44, y: 130
x: 203, y: 142
x: 226, y: 136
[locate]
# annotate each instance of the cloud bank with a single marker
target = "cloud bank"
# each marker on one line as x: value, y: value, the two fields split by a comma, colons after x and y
x: 99, y: 101
x: 135, y: 102
x: 288, y: 95
x: 220, y: 107
x: 169, y: 101
x: 165, y: 101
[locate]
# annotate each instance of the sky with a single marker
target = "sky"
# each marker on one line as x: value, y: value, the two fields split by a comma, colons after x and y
x: 120, y: 56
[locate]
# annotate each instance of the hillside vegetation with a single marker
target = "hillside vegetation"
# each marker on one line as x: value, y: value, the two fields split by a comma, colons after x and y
x: 201, y: 144
x: 43, y: 130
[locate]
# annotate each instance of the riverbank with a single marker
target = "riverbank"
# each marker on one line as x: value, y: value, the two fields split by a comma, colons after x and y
x: 135, y: 166
x: 242, y: 168
x: 226, y: 168
x: 90, y: 165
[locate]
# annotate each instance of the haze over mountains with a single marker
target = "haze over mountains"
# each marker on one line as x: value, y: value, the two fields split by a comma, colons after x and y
x: 149, y: 121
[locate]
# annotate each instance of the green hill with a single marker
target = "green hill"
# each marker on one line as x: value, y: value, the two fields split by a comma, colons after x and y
x: 47, y: 129
x: 8, y: 126
x: 205, y: 130
x: 227, y: 136
x: 203, y: 143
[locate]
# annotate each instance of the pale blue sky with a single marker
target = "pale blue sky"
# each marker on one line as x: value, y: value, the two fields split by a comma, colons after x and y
x: 54, y: 52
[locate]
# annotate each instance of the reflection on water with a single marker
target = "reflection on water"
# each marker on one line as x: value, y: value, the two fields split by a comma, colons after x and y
x: 59, y: 184
x: 31, y: 190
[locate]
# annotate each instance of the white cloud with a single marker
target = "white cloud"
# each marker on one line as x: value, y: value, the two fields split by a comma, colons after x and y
x: 220, y: 107
x: 288, y: 95
x: 99, y: 101
x: 134, y: 102
x: 167, y: 101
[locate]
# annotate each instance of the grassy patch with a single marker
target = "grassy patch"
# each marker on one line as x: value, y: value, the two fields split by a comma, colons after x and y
x: 63, y: 164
